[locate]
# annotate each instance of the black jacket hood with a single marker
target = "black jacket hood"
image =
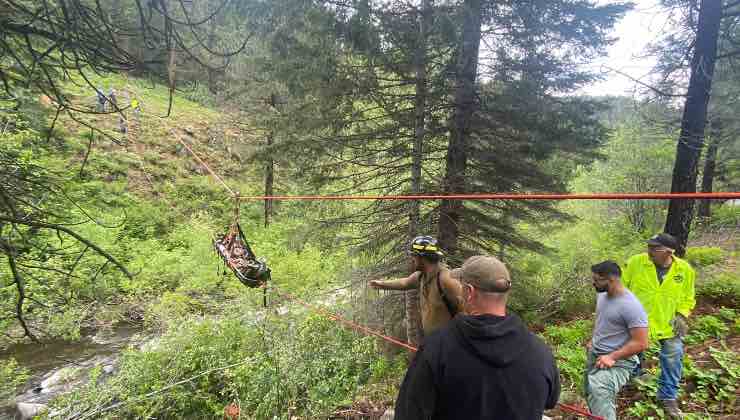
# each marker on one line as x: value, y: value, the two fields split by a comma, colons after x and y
x: 497, y: 340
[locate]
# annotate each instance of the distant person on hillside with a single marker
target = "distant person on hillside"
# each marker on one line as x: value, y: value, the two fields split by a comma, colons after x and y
x: 484, y: 364
x: 439, y: 295
x: 620, y: 333
x: 100, y: 99
x: 664, y: 284
x: 113, y: 99
x: 136, y: 107
x: 122, y: 122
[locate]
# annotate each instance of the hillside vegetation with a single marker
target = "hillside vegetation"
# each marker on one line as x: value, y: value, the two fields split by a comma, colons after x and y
x: 114, y: 305
x: 156, y: 209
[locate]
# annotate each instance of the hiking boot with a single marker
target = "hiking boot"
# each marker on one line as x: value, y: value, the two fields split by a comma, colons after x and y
x: 670, y: 407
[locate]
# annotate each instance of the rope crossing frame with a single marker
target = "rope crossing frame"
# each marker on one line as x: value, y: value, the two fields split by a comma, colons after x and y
x: 480, y: 196
x: 396, y: 341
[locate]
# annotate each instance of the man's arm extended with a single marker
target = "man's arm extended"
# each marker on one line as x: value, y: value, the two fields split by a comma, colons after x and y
x: 407, y: 283
x: 638, y: 342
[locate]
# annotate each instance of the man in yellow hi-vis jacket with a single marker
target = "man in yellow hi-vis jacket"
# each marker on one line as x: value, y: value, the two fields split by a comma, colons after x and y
x: 664, y: 284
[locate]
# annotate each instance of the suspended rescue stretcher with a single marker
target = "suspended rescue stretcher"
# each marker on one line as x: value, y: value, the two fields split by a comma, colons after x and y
x: 236, y: 253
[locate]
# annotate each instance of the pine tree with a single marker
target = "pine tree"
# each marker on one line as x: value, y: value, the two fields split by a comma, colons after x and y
x: 705, y: 39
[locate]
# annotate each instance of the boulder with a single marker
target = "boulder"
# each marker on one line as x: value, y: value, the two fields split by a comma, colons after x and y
x: 30, y: 410
x: 59, y: 376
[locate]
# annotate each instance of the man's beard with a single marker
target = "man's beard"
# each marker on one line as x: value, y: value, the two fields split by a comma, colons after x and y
x: 602, y: 289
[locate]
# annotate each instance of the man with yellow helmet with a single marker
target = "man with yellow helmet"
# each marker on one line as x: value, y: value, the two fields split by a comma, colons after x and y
x: 440, y: 294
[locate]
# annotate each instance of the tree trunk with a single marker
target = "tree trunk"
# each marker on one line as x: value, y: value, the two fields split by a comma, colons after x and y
x: 269, y: 181
x: 413, y: 313
x: 211, y: 44
x: 457, y: 149
x: 116, y: 17
x: 688, y: 151
x: 707, y: 179
x: 420, y: 63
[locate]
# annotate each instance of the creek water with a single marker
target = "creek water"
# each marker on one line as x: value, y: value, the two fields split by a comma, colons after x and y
x: 43, y: 359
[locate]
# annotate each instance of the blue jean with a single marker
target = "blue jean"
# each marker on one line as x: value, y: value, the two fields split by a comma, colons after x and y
x: 671, y: 368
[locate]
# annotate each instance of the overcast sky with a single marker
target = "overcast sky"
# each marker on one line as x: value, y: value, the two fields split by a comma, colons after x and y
x: 638, y: 28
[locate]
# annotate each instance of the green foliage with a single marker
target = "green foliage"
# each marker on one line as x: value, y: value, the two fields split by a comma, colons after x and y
x: 642, y: 409
x: 728, y: 314
x: 724, y: 286
x: 67, y: 323
x: 704, y: 256
x: 170, y: 310
x: 12, y: 376
x: 727, y: 215
x: 706, y: 326
x: 624, y: 169
x: 715, y: 387
x: 728, y: 360
x: 558, y: 283
x: 272, y: 373
x: 568, y: 341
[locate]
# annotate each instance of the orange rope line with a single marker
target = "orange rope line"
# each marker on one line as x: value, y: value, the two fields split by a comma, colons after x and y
x: 208, y: 168
x: 408, y: 346
x: 480, y: 196
x: 578, y: 410
x: 335, y: 317
x: 595, y: 196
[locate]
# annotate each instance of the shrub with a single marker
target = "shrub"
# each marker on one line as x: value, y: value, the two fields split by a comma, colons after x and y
x: 704, y: 256
x: 171, y: 309
x: 725, y: 286
x: 726, y: 215
x: 11, y: 377
x: 706, y: 326
x: 303, y: 367
x: 715, y: 388
x: 568, y: 348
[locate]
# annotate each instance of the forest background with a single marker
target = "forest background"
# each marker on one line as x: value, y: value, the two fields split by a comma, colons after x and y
x: 101, y: 228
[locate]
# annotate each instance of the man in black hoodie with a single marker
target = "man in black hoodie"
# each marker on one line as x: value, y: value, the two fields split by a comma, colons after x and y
x: 484, y: 364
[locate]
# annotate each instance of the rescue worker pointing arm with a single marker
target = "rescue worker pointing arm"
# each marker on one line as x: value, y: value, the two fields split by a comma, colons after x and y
x: 406, y: 283
x: 440, y: 295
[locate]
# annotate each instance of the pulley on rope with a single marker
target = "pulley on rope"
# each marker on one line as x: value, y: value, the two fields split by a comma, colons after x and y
x: 234, y: 250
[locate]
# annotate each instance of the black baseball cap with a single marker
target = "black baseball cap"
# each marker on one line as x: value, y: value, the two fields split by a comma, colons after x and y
x: 663, y: 239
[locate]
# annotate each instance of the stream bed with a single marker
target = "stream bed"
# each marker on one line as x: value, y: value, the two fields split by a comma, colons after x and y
x: 59, y: 366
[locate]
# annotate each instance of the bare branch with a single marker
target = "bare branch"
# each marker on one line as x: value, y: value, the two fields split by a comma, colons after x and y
x: 640, y: 82
x: 59, y: 228
x: 18, y: 280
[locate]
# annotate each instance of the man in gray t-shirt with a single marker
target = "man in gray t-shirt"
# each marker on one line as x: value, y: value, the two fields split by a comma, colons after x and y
x: 620, y: 333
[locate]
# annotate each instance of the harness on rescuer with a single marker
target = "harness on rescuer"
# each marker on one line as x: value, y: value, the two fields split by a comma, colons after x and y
x: 236, y: 253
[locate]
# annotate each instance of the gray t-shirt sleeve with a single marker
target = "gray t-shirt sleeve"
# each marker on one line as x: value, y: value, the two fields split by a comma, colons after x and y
x: 634, y: 314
